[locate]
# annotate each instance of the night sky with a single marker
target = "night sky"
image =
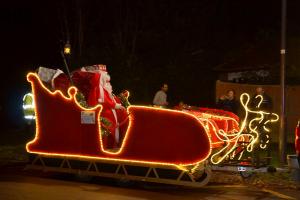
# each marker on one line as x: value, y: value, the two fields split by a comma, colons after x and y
x: 143, y: 43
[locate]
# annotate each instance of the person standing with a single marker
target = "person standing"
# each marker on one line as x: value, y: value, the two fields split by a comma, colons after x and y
x: 228, y: 102
x: 160, y: 98
x: 267, y: 106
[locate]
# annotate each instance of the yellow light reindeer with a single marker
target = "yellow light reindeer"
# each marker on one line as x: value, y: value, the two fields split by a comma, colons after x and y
x: 250, y: 130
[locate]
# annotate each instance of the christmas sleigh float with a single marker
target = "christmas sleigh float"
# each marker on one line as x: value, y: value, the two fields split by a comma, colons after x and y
x: 159, y: 145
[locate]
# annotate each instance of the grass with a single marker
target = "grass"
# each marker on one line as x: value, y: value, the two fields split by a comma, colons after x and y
x: 13, y: 153
x: 275, y: 180
x: 12, y: 145
x: 274, y: 149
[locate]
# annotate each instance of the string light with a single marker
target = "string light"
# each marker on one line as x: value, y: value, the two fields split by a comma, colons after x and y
x: 240, y: 135
x: 231, y: 138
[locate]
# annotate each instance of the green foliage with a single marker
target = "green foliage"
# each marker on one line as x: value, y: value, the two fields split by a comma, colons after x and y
x: 124, y: 100
x: 81, y: 99
x: 105, y: 124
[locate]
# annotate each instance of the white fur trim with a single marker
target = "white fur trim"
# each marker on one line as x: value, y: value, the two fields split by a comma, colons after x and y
x: 57, y: 73
x: 117, y: 133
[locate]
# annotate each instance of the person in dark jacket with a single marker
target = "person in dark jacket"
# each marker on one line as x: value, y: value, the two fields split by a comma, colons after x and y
x: 266, y: 104
x: 228, y: 102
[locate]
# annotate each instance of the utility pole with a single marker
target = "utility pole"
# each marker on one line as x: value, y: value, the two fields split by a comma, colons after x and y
x: 282, y: 133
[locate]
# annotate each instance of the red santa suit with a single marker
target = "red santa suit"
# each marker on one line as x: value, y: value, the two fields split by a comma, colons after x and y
x: 101, y: 92
x: 88, y: 84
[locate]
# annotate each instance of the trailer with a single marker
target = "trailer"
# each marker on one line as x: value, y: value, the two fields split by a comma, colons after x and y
x: 159, y: 145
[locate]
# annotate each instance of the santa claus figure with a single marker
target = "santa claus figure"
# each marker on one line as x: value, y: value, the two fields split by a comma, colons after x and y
x: 100, y: 92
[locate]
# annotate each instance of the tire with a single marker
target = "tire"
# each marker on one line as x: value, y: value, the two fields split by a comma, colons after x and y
x: 246, y: 174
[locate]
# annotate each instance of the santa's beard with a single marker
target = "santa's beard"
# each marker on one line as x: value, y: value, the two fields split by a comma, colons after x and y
x: 106, y: 82
x: 108, y: 87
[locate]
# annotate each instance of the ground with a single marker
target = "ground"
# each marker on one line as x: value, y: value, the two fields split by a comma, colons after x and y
x: 16, y: 184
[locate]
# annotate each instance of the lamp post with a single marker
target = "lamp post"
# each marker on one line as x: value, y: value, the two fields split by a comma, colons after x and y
x: 66, y: 55
x: 282, y: 133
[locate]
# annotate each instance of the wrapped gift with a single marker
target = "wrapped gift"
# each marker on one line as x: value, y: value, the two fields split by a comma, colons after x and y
x: 46, y: 74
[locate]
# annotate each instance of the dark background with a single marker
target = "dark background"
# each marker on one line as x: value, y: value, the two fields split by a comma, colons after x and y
x: 143, y: 43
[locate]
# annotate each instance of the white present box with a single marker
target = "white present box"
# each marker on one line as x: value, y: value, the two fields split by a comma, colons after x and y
x: 46, y: 74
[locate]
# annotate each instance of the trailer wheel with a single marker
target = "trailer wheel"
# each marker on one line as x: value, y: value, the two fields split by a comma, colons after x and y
x: 202, y: 175
x: 246, y: 174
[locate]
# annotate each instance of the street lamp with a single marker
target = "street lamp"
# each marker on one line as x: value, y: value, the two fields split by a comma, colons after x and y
x: 67, y: 48
x: 66, y: 54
